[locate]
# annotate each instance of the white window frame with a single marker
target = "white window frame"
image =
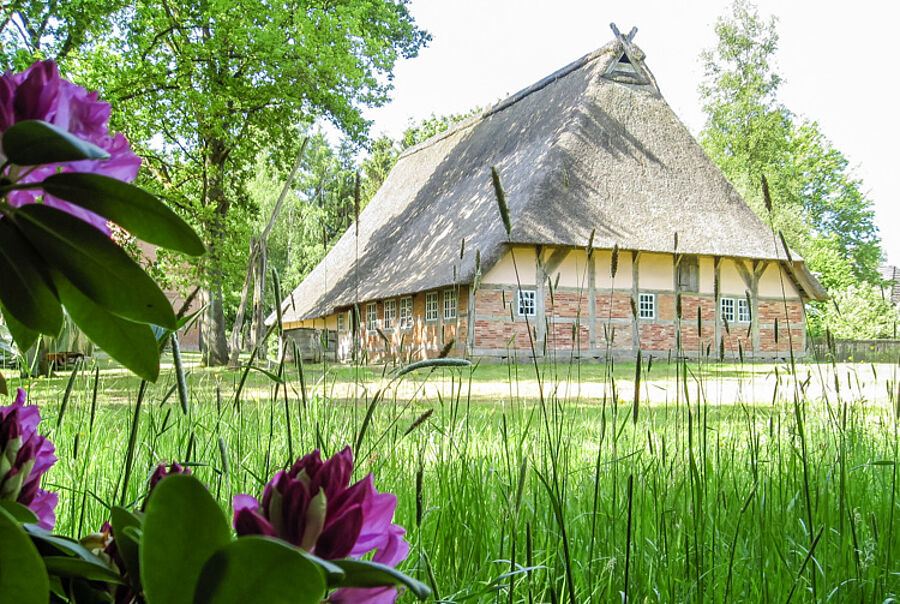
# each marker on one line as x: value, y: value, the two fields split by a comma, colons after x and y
x: 734, y: 310
x: 526, y: 302
x: 743, y: 311
x: 390, y: 314
x: 646, y: 306
x: 341, y: 322
x: 432, y: 308
x: 371, y: 316
x: 406, y: 313
x: 450, y: 304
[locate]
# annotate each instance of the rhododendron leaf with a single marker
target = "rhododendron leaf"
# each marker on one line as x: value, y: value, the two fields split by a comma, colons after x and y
x: 24, y: 337
x: 362, y: 573
x: 132, y: 344
x: 132, y: 208
x: 23, y: 578
x: 94, y: 264
x: 33, y: 142
x: 122, y: 520
x: 66, y: 566
x: 26, y: 293
x: 183, y: 527
x: 259, y: 569
x: 19, y: 512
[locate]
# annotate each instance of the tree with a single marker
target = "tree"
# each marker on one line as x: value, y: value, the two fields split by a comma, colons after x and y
x: 750, y: 133
x: 818, y: 204
x: 200, y: 89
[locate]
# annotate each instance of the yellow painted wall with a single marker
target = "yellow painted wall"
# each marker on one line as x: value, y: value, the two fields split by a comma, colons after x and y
x: 655, y: 271
x: 504, y: 273
x: 770, y: 283
x: 603, y: 259
x: 572, y: 270
x: 707, y: 268
x: 731, y: 282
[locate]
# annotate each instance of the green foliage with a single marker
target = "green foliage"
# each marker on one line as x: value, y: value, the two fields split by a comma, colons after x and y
x: 23, y: 578
x: 201, y: 89
x: 182, y: 529
x: 856, y: 312
x: 818, y: 203
x: 258, y: 569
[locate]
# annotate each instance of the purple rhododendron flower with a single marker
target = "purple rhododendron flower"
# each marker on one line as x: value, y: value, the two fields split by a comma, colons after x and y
x: 39, y: 93
x: 314, y: 506
x: 24, y: 457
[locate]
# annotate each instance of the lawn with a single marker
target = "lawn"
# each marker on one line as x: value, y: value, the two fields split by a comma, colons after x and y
x: 726, y: 482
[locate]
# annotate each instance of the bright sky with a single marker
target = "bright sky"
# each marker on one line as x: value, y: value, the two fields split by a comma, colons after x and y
x: 839, y: 61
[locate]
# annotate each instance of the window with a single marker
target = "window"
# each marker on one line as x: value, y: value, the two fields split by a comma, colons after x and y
x: 449, y: 304
x: 689, y: 274
x: 341, y: 321
x: 743, y: 310
x: 406, y: 318
x: 735, y: 310
x: 390, y: 313
x: 727, y: 309
x: 526, y: 302
x: 371, y: 315
x: 646, y: 306
x: 431, y: 306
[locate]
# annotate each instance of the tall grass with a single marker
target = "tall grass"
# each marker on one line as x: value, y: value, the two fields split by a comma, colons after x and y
x: 694, y: 499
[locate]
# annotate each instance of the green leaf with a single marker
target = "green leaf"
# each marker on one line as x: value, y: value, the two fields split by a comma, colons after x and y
x: 63, y: 544
x: 27, y: 292
x: 66, y: 566
x: 333, y: 573
x: 132, y: 344
x: 19, y: 512
x: 95, y: 265
x: 362, y: 573
x: 122, y: 520
x: 183, y: 527
x: 23, y: 578
x: 25, y: 338
x: 259, y: 569
x: 34, y: 142
x: 132, y: 208
x: 4, y: 390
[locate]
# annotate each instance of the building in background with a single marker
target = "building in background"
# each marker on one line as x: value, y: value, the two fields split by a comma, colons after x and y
x: 623, y: 236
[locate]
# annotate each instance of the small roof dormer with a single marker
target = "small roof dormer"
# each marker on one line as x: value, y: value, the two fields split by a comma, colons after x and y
x: 628, y: 65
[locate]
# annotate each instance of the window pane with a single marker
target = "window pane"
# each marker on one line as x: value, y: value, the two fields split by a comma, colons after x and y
x: 449, y: 304
x: 371, y: 315
x: 526, y: 302
x: 431, y: 306
x: 647, y: 306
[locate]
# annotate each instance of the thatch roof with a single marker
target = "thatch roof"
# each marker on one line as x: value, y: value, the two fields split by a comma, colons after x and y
x: 592, y: 146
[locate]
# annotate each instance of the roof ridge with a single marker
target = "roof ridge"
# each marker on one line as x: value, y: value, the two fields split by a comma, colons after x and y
x: 512, y: 99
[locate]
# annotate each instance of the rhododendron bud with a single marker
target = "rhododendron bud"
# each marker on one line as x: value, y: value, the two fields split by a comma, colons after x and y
x: 24, y: 457
x: 314, y: 506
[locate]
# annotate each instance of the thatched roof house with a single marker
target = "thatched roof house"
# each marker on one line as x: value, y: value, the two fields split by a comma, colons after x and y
x: 592, y: 147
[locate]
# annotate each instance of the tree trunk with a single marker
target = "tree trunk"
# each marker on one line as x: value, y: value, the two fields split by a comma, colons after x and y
x: 215, y: 350
x: 212, y: 328
x: 258, y: 327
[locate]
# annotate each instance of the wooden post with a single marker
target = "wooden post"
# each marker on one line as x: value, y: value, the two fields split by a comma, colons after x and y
x: 676, y: 260
x: 592, y: 302
x: 470, y: 321
x: 717, y: 294
x: 635, y: 294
